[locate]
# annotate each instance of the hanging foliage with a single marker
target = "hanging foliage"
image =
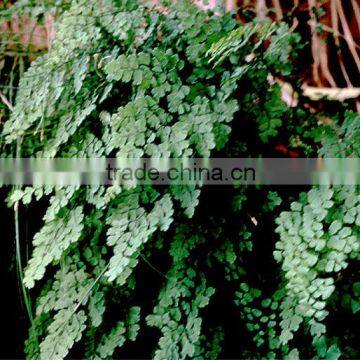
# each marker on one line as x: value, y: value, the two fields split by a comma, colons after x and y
x: 123, y: 79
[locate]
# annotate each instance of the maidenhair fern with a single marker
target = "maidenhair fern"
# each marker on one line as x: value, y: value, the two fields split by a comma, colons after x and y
x: 177, y: 312
x: 63, y: 332
x: 119, y: 334
x: 129, y: 229
x: 51, y: 242
x: 126, y: 80
x: 317, y: 239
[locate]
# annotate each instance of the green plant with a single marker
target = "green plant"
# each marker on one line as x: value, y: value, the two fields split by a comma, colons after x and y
x: 124, y: 80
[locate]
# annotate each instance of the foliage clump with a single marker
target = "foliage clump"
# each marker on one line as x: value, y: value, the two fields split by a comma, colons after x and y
x: 124, y: 80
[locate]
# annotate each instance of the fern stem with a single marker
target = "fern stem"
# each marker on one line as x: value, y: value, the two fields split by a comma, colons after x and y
x: 89, y: 290
x: 20, y: 272
x: 25, y: 294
